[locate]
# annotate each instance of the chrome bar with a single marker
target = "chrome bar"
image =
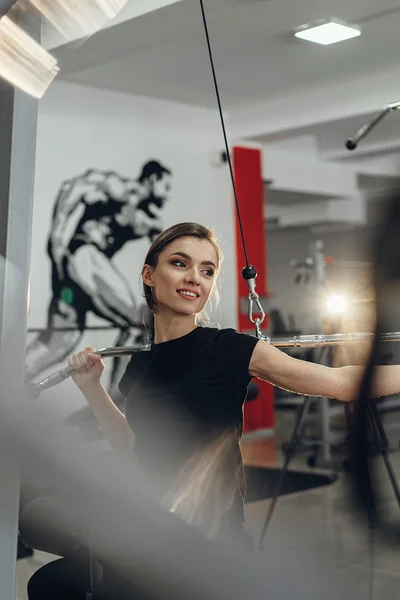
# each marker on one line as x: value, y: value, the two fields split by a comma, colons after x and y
x: 113, y: 351
x: 337, y: 339
x: 352, y: 142
x: 35, y: 389
x: 301, y: 341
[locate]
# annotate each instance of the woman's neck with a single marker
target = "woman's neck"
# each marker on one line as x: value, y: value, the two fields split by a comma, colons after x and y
x: 169, y: 328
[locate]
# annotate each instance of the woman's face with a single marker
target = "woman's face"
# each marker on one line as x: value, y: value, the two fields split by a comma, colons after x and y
x: 184, y: 276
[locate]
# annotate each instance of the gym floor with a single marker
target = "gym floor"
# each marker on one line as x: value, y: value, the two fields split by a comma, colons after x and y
x: 316, y: 531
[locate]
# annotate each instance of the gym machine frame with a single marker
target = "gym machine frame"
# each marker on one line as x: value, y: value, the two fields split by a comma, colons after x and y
x: 18, y: 126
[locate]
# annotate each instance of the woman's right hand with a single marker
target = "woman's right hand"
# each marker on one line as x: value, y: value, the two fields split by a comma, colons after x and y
x: 91, y: 367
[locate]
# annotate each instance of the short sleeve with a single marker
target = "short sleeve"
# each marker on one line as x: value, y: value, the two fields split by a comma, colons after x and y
x: 236, y: 351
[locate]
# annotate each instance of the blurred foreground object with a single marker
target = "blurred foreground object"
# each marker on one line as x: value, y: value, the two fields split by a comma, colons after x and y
x: 78, y: 18
x: 24, y: 63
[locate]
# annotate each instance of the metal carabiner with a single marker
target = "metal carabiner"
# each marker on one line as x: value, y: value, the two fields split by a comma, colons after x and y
x: 258, y: 329
x: 249, y: 274
x: 254, y: 298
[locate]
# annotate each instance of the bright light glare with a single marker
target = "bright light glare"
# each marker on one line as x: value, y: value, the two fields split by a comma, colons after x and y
x: 328, y: 33
x: 23, y: 62
x: 337, y: 304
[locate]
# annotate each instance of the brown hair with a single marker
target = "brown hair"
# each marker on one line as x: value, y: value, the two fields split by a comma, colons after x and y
x: 167, y: 237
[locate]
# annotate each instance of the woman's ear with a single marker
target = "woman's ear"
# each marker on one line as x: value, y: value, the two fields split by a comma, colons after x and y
x: 147, y: 275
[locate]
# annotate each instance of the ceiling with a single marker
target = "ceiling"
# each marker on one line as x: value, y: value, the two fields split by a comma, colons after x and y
x: 285, y: 197
x: 163, y: 54
x: 331, y: 135
x: 274, y: 88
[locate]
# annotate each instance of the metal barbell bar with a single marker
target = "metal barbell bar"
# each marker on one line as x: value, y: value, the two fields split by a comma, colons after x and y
x: 301, y: 341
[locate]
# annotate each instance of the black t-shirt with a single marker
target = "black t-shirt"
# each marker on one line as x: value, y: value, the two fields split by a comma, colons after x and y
x: 184, y: 403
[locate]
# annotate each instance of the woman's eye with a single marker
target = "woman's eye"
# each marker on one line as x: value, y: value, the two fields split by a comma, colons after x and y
x: 209, y: 272
x: 179, y: 263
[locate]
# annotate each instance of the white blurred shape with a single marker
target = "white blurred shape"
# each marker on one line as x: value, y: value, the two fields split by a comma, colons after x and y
x: 78, y: 18
x: 23, y: 62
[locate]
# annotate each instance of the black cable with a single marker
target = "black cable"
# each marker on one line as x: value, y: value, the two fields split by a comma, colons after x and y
x: 221, y: 115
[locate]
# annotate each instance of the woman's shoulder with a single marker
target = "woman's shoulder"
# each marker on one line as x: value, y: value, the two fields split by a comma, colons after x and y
x: 229, y: 348
x: 221, y: 332
x: 227, y: 335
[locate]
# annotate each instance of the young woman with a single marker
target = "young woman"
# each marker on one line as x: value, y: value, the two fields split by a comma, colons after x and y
x: 184, y: 397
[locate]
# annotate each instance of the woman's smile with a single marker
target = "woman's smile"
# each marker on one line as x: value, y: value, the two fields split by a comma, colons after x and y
x: 187, y: 294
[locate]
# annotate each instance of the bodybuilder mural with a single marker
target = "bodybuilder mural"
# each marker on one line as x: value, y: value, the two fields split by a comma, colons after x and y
x: 95, y: 215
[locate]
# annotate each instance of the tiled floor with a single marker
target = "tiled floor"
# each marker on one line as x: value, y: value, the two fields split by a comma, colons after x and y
x: 316, y: 531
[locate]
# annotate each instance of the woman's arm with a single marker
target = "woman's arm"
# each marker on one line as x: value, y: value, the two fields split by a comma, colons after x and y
x: 111, y: 420
x: 310, y: 379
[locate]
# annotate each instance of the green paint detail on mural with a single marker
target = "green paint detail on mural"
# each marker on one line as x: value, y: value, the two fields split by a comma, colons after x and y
x: 67, y: 295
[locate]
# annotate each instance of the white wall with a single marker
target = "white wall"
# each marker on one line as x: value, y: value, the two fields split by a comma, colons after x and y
x: 82, y: 127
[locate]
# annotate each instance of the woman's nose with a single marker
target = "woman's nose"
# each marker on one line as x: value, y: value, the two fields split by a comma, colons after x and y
x: 193, y: 277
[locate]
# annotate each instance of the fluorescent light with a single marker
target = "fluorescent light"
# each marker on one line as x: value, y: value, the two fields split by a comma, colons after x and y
x: 23, y: 62
x: 328, y: 33
x: 78, y: 18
